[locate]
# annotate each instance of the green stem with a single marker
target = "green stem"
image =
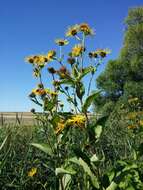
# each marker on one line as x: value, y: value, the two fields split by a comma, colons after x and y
x: 83, y: 45
x: 89, y: 86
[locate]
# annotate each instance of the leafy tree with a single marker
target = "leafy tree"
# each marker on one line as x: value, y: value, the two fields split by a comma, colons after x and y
x: 123, y: 78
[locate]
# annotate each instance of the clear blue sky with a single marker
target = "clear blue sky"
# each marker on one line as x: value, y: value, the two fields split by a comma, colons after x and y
x: 30, y: 26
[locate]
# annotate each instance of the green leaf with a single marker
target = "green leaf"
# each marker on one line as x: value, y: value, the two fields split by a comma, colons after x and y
x: 81, y: 154
x: 87, y: 170
x: 65, y: 171
x: 43, y: 147
x: 98, y: 131
x: 66, y: 181
x: 80, y: 90
x: 94, y: 158
x: 86, y: 71
x: 89, y: 101
x: 4, y: 141
x: 67, y: 81
x: 48, y: 105
x: 112, y: 186
x: 140, y: 149
x: 75, y: 71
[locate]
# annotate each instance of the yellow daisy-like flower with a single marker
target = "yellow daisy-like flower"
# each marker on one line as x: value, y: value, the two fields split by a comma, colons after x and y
x: 84, y: 27
x: 72, y: 31
x: 39, y: 91
x: 61, y: 42
x: 60, y: 127
x: 30, y: 59
x: 131, y: 126
x: 77, y: 120
x: 103, y: 52
x: 51, y: 54
x: 77, y: 50
x: 37, y: 59
x: 32, y: 172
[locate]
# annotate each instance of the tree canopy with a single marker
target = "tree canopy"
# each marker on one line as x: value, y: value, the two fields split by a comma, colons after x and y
x: 122, y: 78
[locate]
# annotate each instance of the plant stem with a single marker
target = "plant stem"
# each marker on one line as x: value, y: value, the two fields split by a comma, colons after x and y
x: 89, y: 86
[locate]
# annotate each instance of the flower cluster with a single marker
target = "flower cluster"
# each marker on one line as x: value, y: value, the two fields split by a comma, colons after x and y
x: 84, y: 28
x: 99, y: 52
x: 75, y: 121
x: 67, y: 79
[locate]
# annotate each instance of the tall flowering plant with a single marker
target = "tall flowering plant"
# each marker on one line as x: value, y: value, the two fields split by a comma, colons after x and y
x: 67, y: 79
x: 69, y: 133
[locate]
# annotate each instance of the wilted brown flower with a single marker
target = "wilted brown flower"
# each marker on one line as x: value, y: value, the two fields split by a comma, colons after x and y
x: 71, y: 60
x: 84, y: 27
x: 51, y: 70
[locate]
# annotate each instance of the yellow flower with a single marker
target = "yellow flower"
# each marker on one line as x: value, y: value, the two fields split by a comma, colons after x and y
x: 103, y: 52
x: 60, y: 127
x: 73, y: 30
x: 51, y: 54
x: 77, y: 120
x: 132, y: 115
x: 141, y: 122
x: 84, y: 27
x: 131, y: 126
x: 30, y: 59
x: 132, y: 100
x: 32, y: 172
x: 39, y: 91
x: 61, y: 42
x: 39, y: 60
x: 77, y: 50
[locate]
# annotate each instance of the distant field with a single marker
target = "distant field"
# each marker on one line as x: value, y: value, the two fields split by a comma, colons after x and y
x: 25, y: 118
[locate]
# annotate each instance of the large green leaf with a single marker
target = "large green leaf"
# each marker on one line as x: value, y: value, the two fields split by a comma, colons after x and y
x: 80, y: 90
x: 85, y: 72
x: 112, y: 186
x: 89, y: 101
x: 66, y: 181
x: 43, y: 147
x: 87, y: 170
x: 65, y: 171
x: 98, y: 131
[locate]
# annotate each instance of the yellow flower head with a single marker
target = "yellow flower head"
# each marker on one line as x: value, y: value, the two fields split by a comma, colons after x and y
x: 30, y: 59
x: 72, y: 31
x: 51, y: 54
x: 77, y: 120
x: 103, y: 52
x: 84, y: 27
x: 60, y: 127
x: 77, y: 50
x: 37, y: 59
x: 141, y: 122
x: 133, y: 100
x: 131, y: 126
x: 39, y: 91
x: 61, y: 42
x: 32, y: 172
